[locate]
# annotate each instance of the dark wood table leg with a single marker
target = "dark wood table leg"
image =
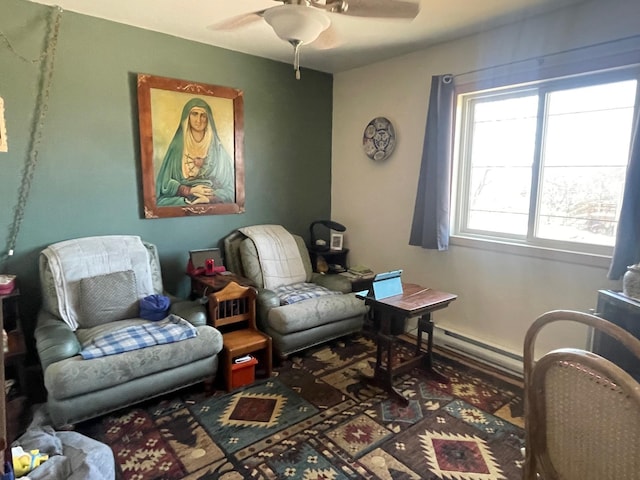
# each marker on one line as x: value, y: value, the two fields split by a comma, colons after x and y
x: 425, y: 325
x: 383, y: 375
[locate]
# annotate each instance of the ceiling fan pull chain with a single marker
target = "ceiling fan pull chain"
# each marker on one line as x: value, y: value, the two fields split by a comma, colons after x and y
x: 296, y: 57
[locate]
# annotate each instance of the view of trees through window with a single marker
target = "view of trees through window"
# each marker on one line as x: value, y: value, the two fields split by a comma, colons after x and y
x: 546, y: 162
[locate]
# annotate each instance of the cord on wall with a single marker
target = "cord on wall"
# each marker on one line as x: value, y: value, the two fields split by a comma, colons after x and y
x: 46, y: 60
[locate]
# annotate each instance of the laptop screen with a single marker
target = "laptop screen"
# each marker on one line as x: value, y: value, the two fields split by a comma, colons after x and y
x: 387, y: 275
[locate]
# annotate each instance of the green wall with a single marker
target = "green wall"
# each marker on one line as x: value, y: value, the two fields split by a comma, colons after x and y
x: 87, y: 181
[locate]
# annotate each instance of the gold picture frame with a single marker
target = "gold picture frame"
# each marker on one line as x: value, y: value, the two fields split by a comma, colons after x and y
x: 4, y: 145
x: 191, y: 147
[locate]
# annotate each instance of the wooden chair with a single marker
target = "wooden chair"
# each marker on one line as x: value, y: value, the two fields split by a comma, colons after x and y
x: 232, y: 310
x: 582, y: 412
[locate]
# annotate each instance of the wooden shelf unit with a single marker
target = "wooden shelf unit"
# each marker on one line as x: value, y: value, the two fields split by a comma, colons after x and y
x: 13, y: 403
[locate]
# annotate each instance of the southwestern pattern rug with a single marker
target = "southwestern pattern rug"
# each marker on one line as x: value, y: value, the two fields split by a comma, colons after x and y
x: 316, y: 419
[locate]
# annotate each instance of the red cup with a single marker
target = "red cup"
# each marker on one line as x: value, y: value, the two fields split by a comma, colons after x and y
x: 209, y: 266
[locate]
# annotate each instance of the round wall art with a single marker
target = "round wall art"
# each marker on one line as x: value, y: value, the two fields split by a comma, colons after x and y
x: 379, y: 139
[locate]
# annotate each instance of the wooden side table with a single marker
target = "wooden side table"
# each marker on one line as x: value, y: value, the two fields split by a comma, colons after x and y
x: 203, y: 285
x: 336, y: 259
x: 389, y: 316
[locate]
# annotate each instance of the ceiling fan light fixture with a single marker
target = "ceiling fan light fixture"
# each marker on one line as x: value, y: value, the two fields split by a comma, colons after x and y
x: 295, y: 22
x: 298, y: 25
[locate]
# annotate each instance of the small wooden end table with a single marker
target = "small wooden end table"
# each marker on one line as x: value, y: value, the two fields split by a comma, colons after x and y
x: 203, y: 285
x: 389, y: 315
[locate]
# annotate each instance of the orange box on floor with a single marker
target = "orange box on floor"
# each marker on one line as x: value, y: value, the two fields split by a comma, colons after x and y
x: 243, y: 373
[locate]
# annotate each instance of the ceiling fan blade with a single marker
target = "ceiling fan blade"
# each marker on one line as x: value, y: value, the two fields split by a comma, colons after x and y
x: 383, y: 9
x: 238, y: 21
x: 327, y: 39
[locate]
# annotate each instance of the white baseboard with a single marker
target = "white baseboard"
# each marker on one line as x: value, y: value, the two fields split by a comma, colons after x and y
x: 481, y: 351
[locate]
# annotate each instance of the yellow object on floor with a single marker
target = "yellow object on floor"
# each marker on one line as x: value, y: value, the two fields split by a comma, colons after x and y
x: 24, y: 462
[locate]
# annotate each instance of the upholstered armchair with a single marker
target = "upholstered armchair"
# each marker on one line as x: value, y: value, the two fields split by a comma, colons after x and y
x: 297, y: 307
x: 91, y: 289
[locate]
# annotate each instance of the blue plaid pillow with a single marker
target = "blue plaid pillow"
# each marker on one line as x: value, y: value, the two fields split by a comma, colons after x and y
x: 297, y: 292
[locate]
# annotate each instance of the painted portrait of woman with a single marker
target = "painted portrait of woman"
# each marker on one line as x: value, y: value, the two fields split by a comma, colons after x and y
x: 191, y: 137
x: 196, y: 168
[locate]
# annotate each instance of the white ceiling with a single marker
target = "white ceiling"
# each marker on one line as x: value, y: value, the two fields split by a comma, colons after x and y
x: 362, y: 40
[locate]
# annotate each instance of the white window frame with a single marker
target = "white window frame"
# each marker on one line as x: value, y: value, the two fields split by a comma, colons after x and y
x: 596, y: 255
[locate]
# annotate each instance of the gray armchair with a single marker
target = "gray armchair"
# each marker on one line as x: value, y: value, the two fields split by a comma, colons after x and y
x: 300, y: 325
x: 85, y: 306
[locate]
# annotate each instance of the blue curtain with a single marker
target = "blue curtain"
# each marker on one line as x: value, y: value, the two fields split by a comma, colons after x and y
x: 430, y: 227
x: 627, y: 248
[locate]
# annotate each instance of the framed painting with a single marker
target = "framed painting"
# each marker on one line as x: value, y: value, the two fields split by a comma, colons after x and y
x: 191, y: 147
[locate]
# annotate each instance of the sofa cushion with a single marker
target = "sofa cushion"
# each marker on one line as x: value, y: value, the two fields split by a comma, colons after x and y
x: 306, y: 260
x: 312, y: 313
x: 72, y: 260
x: 107, y: 298
x: 251, y: 262
x: 75, y: 376
x: 278, y: 253
x: 171, y: 329
x: 50, y: 301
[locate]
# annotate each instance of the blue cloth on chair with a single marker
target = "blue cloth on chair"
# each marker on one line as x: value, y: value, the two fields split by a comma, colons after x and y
x: 172, y: 329
x: 154, y: 307
x: 298, y: 292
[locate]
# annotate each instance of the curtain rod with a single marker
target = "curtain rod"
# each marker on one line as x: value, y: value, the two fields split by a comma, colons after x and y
x: 540, y: 58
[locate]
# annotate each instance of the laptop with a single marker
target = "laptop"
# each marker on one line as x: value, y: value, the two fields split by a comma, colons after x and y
x: 198, y: 257
x: 384, y: 285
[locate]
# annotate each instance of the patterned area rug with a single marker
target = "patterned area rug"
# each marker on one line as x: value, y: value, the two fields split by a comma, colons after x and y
x: 315, y: 419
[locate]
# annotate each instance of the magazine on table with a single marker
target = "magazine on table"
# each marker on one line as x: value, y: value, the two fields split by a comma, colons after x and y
x: 360, y: 271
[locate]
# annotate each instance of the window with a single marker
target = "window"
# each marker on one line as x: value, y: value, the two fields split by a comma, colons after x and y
x: 544, y: 164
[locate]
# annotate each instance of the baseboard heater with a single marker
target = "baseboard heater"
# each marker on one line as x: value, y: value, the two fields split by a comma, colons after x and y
x: 490, y: 355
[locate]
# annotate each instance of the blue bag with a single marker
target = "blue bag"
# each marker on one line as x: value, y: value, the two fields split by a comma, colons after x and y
x: 154, y: 307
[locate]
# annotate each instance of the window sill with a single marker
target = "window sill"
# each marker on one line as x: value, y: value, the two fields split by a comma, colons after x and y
x: 588, y: 259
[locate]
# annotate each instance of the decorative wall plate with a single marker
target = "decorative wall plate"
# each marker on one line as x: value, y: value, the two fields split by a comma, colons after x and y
x: 379, y: 139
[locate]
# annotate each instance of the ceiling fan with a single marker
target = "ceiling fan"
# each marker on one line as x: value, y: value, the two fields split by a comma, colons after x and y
x: 301, y: 22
